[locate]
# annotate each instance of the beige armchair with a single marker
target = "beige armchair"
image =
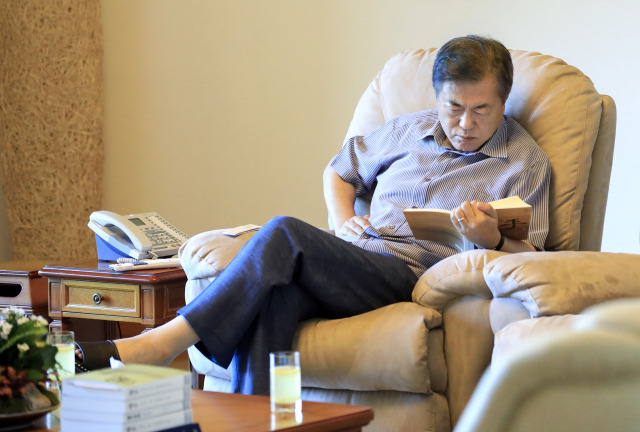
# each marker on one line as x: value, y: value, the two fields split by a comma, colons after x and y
x: 584, y: 377
x: 417, y: 364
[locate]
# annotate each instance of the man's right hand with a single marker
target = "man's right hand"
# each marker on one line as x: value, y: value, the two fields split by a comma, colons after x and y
x: 340, y: 197
x: 354, y: 225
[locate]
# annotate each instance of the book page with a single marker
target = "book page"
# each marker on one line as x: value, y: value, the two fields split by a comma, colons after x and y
x: 511, y: 202
x: 434, y: 225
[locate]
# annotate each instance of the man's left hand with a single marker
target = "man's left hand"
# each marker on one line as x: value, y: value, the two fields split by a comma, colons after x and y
x: 478, y: 222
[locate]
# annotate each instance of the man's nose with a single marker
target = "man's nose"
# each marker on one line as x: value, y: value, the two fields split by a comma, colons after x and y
x: 466, y: 121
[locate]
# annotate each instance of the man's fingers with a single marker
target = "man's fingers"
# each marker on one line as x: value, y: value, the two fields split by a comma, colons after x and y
x: 363, y: 221
x: 355, y: 225
x: 459, y: 218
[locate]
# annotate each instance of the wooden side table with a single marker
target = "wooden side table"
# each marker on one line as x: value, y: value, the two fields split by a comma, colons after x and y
x: 91, y: 290
x: 22, y: 286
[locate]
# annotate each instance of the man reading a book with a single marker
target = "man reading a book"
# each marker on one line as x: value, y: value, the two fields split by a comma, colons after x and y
x: 458, y: 157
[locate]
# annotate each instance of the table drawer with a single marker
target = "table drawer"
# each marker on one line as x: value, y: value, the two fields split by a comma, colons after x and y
x: 119, y: 300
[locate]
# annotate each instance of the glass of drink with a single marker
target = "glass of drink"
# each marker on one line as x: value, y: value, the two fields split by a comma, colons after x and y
x: 285, y: 382
x: 65, y: 357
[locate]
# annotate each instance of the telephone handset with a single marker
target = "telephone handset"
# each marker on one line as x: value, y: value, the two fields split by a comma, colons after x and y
x: 140, y: 236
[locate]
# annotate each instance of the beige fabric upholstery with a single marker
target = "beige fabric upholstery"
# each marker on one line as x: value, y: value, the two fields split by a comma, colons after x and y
x: 210, y: 252
x: 517, y: 334
x: 595, y: 198
x: 394, y: 411
x: 417, y: 364
x: 486, y: 292
x: 468, y: 346
x: 458, y: 276
x: 399, y: 359
x: 564, y: 282
x: 581, y: 375
x: 504, y: 311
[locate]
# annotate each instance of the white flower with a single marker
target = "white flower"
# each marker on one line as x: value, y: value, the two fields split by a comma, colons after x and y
x: 23, y: 320
x: 16, y: 310
x: 23, y: 347
x: 5, y: 330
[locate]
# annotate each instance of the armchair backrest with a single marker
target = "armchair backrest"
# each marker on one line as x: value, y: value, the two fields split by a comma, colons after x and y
x: 559, y: 107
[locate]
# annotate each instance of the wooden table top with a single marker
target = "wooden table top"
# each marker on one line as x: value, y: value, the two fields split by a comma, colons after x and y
x: 99, y: 271
x: 222, y: 412
x: 22, y: 268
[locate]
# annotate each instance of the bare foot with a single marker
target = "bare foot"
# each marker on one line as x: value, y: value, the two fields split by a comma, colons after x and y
x: 158, y: 346
x: 142, y: 349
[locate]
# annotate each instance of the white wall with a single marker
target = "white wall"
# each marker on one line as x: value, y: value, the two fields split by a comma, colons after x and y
x: 220, y: 113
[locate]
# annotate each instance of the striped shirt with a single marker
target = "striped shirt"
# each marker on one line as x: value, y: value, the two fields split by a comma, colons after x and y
x: 410, y: 164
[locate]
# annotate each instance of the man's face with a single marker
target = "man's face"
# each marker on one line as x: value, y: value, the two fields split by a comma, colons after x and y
x: 470, y: 112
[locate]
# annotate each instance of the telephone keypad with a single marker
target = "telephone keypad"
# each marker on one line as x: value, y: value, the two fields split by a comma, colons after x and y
x: 158, y: 232
x: 160, y: 237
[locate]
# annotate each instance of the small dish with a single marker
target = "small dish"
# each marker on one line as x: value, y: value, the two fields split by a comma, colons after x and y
x: 18, y: 421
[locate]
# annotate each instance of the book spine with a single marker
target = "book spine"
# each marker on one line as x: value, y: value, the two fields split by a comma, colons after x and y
x: 166, y: 421
x: 133, y: 415
x: 144, y: 390
x: 119, y: 407
x: 149, y: 425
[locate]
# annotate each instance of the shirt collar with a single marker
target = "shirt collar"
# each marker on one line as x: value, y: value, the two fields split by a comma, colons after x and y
x: 496, y: 146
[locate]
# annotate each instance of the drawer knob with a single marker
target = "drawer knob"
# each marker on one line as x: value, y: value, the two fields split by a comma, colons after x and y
x: 97, y: 298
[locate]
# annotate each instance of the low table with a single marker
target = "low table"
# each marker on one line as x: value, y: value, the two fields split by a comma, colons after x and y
x: 224, y: 412
x: 91, y: 290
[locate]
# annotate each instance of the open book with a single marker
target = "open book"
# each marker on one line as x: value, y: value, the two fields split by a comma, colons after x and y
x: 514, y: 216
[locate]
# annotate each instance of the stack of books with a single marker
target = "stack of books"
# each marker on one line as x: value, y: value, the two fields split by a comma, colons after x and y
x: 133, y: 398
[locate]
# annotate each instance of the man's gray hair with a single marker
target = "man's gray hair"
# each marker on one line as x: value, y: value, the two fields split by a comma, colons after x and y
x: 468, y: 59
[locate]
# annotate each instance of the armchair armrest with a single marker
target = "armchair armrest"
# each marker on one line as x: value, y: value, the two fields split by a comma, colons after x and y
x: 206, y: 254
x: 454, y: 277
x: 555, y: 283
x: 397, y: 347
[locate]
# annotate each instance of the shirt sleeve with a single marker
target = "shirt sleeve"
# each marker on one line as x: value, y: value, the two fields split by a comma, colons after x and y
x: 362, y: 159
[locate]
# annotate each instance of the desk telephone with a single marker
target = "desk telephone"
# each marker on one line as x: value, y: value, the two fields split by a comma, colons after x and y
x: 140, y: 236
